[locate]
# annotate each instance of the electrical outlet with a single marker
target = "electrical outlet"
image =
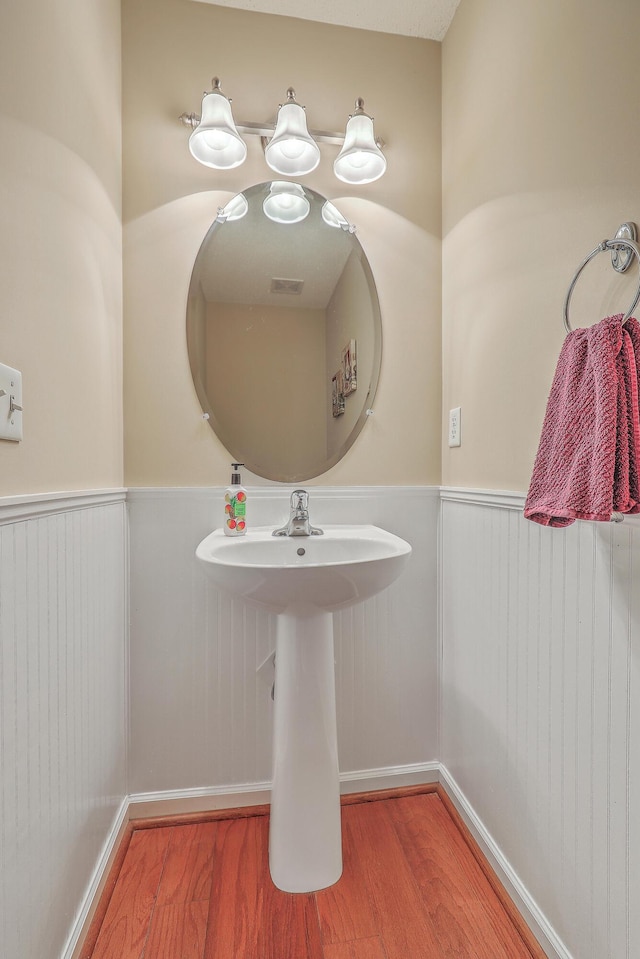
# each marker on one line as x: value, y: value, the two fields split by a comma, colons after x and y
x: 454, y: 427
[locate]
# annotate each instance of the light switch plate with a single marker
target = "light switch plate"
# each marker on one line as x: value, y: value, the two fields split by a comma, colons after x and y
x: 10, y: 395
x: 455, y: 438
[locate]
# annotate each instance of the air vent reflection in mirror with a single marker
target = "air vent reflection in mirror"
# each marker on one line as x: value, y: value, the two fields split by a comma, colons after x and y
x: 292, y: 287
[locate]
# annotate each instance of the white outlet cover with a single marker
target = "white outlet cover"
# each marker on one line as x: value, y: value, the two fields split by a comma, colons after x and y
x: 10, y: 388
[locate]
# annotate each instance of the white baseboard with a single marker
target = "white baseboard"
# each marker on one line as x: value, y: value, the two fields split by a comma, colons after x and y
x: 98, y: 879
x: 389, y: 777
x: 526, y: 905
x: 178, y: 802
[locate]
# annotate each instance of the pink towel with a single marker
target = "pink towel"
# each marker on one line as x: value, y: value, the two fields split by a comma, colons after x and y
x: 589, y: 453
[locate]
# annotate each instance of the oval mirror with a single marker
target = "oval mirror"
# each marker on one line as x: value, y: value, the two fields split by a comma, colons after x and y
x: 283, y: 331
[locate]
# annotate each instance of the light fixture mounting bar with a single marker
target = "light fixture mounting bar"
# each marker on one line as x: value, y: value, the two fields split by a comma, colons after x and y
x: 267, y: 130
x: 264, y: 129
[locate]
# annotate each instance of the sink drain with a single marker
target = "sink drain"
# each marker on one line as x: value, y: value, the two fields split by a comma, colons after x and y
x: 301, y: 551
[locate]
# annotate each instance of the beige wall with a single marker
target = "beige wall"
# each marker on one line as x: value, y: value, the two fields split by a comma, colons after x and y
x: 540, y: 162
x: 171, y: 49
x: 60, y: 242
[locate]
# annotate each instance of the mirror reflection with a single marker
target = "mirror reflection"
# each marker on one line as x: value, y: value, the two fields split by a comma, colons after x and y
x: 283, y: 331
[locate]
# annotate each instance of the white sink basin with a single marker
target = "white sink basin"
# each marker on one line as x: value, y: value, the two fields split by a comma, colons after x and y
x: 344, y: 566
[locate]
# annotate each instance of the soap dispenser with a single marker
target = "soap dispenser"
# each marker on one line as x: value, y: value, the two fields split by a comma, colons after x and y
x: 235, y: 505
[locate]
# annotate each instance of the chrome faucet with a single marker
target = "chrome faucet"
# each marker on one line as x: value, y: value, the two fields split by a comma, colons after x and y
x: 299, y: 524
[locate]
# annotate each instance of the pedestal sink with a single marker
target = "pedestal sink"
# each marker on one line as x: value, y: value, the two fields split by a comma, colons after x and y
x: 304, y: 579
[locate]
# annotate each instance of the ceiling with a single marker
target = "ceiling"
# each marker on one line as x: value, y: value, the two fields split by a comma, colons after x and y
x: 428, y: 19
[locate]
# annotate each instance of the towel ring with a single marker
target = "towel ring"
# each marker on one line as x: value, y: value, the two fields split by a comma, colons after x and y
x: 613, y: 245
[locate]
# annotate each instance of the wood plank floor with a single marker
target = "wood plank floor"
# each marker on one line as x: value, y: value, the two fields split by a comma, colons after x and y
x: 412, y: 888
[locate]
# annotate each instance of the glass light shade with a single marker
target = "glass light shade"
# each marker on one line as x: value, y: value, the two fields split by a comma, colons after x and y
x: 291, y: 150
x: 286, y: 202
x: 360, y: 160
x: 332, y: 217
x: 215, y: 141
x: 235, y: 209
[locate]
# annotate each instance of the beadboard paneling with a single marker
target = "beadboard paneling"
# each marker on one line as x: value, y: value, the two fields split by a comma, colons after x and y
x: 540, y: 671
x: 199, y: 714
x: 62, y: 709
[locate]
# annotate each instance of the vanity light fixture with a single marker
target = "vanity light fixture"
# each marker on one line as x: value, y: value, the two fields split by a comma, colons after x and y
x: 292, y: 151
x: 286, y: 202
x: 215, y: 140
x: 361, y: 160
x: 290, y: 148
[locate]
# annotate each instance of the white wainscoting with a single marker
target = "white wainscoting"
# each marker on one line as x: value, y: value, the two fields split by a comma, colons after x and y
x: 200, y: 716
x: 540, y: 675
x: 539, y: 701
x: 62, y: 708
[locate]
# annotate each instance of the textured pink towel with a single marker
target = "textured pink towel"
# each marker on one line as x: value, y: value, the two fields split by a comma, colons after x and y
x: 589, y: 452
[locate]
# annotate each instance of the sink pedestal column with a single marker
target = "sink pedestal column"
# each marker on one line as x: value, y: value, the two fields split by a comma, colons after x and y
x: 305, y: 839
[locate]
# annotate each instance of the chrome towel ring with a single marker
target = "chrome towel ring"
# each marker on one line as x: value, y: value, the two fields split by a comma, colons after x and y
x: 623, y: 248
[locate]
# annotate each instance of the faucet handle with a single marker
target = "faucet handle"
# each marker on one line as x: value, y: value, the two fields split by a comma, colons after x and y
x: 299, y: 499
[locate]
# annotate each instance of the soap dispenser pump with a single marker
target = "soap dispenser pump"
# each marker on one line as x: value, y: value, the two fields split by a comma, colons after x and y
x: 235, y: 505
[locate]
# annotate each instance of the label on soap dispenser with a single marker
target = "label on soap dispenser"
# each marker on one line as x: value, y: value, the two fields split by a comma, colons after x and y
x: 236, y: 511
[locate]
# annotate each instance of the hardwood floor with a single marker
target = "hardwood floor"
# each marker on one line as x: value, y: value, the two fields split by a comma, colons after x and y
x: 413, y: 887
